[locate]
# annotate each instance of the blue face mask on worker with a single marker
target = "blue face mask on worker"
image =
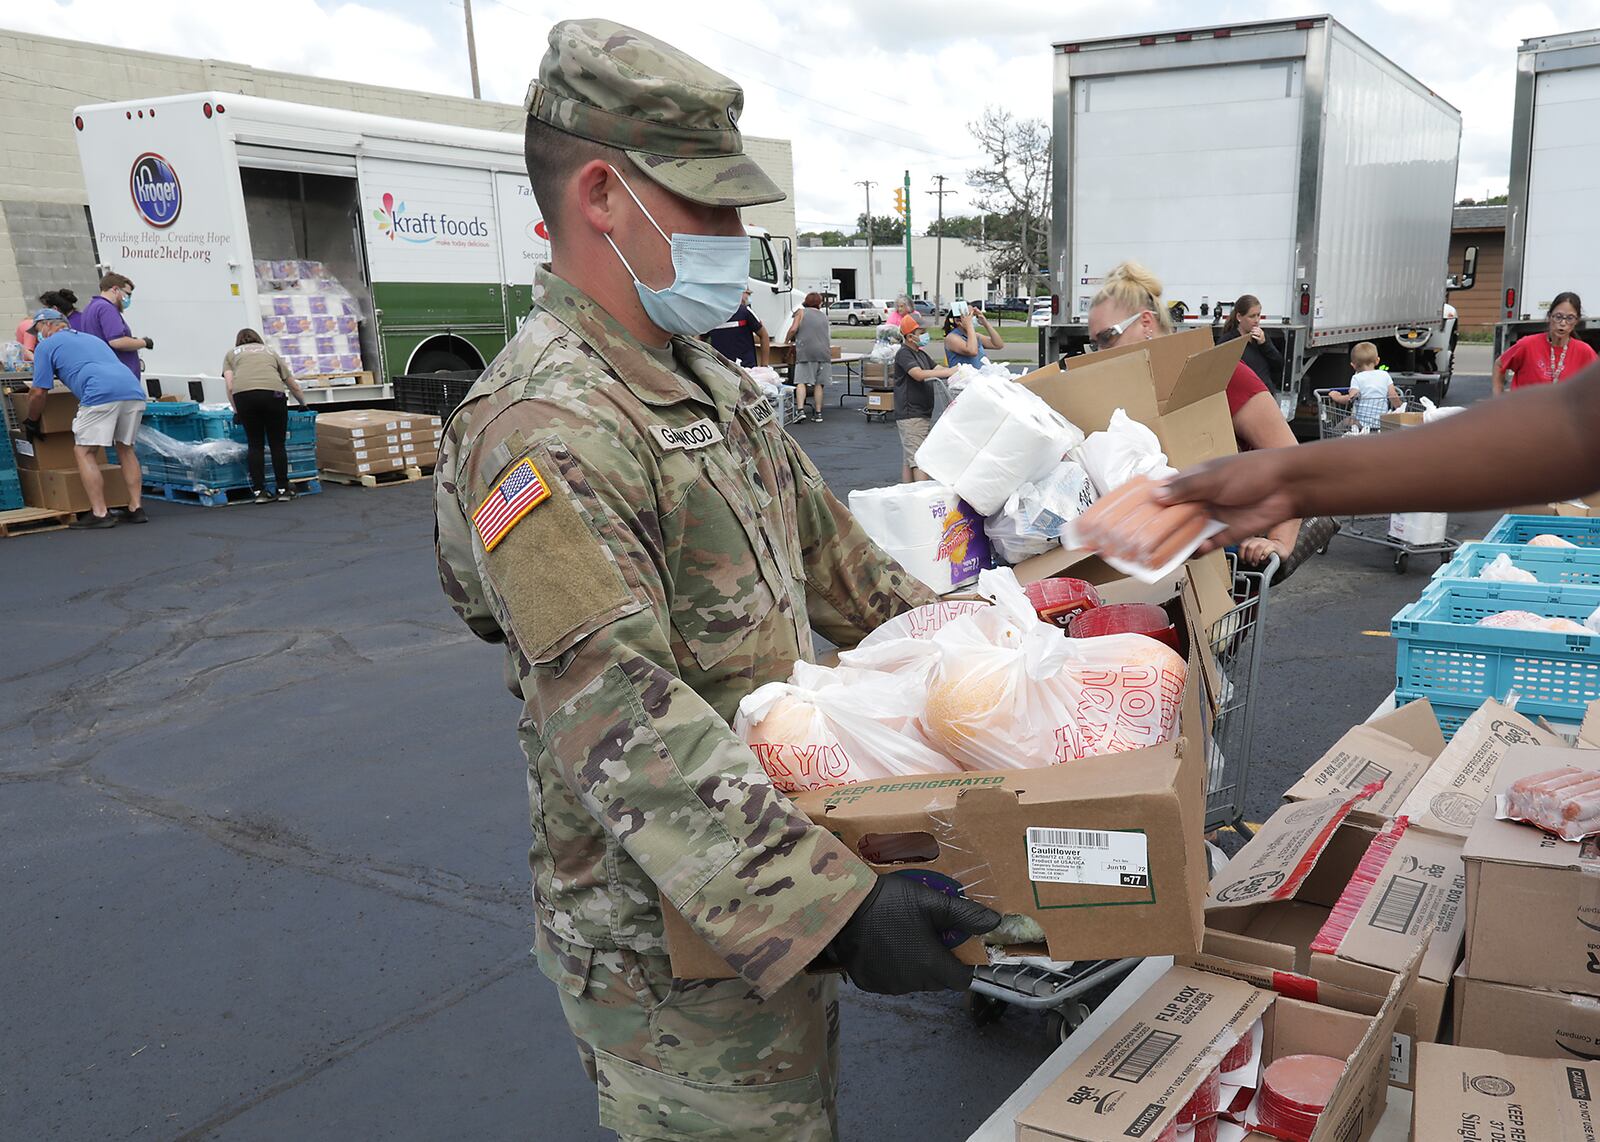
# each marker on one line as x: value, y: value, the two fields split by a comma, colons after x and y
x: 710, y: 272
x: 923, y: 340
x: 127, y: 301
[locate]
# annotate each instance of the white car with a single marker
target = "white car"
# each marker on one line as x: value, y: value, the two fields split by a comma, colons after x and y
x: 856, y: 311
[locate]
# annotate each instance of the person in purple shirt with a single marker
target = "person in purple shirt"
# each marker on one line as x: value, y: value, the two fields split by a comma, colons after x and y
x: 104, y: 319
x: 65, y: 302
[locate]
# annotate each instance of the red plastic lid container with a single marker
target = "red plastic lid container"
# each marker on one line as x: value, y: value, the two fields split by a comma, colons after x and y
x: 1294, y: 1092
x: 1204, y: 1101
x: 1059, y: 601
x: 1126, y: 618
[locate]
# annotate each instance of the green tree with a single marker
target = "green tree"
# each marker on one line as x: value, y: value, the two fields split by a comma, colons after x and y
x: 828, y: 237
x: 1014, y: 183
x: 887, y: 229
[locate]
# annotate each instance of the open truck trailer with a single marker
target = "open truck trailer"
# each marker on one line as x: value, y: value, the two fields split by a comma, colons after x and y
x: 363, y: 247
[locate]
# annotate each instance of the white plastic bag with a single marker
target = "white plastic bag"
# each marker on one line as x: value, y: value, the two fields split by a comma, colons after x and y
x: 1034, y: 515
x: 857, y: 727
x: 996, y: 438
x: 1124, y: 450
x: 966, y: 374
x: 1432, y: 412
x: 1502, y: 570
x: 1550, y: 541
x: 1011, y: 692
x: 1527, y: 620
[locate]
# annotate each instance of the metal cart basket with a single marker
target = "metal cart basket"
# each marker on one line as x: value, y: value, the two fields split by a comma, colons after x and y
x: 1336, y: 419
x: 1068, y: 992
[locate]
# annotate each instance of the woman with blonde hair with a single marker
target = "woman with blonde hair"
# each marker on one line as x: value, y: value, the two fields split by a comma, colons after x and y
x: 1129, y: 309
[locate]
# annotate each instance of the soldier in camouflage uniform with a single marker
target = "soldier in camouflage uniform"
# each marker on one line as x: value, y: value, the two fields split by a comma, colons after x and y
x: 620, y: 509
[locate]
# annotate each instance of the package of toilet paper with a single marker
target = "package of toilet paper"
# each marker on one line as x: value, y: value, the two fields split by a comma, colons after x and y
x: 995, y: 438
x: 928, y: 530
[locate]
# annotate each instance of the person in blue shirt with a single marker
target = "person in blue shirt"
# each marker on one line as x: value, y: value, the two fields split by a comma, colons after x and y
x: 110, y: 408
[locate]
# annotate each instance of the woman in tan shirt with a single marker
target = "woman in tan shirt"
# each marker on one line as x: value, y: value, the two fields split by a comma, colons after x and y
x: 259, y: 382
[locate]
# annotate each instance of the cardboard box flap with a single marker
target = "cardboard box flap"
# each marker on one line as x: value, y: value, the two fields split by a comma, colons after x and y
x: 1360, y: 1096
x: 1589, y: 732
x: 1419, y: 891
x: 1282, y: 853
x: 1135, y: 1078
x: 1205, y: 373
x: 1197, y: 433
x: 1512, y: 842
x: 1168, y: 355
x: 1447, y: 796
x: 1089, y: 393
x: 1466, y: 1092
x: 1394, y: 750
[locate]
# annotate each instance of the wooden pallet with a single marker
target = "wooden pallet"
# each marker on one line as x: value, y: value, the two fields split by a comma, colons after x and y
x: 320, y: 380
x: 220, y: 497
x: 25, y: 521
x: 379, y: 479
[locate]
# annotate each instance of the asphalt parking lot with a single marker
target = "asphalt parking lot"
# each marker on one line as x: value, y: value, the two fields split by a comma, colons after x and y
x: 265, y: 834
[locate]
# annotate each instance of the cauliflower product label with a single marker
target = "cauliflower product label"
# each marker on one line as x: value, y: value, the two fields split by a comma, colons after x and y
x: 1089, y: 856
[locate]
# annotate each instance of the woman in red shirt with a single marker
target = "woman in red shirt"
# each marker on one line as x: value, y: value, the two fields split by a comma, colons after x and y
x: 1544, y: 358
x: 1128, y: 309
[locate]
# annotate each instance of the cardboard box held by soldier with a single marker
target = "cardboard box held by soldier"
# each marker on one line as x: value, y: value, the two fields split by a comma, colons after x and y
x: 1106, y: 853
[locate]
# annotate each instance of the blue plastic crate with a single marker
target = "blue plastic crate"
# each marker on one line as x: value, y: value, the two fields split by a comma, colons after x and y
x: 1452, y: 717
x: 10, y: 492
x: 8, y: 455
x: 1581, y: 530
x: 1550, y: 564
x: 1442, y: 655
x: 179, y: 419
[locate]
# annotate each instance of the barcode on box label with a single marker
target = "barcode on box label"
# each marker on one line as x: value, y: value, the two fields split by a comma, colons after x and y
x: 1397, y: 907
x: 1088, y: 856
x: 1369, y: 773
x: 1145, y: 1055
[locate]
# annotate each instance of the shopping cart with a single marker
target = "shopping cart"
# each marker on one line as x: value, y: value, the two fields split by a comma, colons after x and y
x: 1067, y: 992
x: 1364, y: 415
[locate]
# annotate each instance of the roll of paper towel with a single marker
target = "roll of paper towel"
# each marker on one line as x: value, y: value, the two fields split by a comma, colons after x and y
x: 927, y: 529
x: 995, y: 438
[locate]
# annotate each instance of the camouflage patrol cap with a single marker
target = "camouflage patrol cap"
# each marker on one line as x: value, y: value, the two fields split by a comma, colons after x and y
x: 674, y: 117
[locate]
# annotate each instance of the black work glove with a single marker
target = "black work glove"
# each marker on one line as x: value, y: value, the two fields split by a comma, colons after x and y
x: 149, y: 342
x: 32, y: 429
x: 892, y: 944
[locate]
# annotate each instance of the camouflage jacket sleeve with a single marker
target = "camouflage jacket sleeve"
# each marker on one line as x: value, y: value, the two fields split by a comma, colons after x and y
x: 852, y: 585
x: 581, y: 586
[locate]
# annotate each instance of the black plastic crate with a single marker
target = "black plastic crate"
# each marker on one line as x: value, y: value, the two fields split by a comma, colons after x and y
x: 433, y: 393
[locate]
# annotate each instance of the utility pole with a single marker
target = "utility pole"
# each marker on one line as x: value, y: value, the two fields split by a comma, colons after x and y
x: 910, y: 279
x: 872, y: 286
x: 938, y: 243
x: 472, y: 50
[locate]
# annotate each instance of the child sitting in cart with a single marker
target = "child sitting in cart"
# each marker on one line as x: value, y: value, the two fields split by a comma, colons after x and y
x: 1371, y: 392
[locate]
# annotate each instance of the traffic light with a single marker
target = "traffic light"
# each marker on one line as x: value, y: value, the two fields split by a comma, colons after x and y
x: 900, y: 201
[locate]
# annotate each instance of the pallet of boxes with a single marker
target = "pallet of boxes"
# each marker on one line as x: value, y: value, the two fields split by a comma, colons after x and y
x: 47, y: 468
x: 372, y: 447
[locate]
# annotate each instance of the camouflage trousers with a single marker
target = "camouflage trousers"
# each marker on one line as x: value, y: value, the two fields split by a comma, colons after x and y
x: 675, y: 1059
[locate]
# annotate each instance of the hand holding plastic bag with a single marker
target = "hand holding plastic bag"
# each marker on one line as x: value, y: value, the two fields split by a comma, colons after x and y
x: 1137, y: 534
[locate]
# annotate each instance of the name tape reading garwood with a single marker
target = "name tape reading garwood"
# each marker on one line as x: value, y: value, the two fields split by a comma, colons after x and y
x: 697, y: 435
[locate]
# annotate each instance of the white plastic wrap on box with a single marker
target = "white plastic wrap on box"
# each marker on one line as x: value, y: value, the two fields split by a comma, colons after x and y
x: 1034, y: 515
x: 1419, y: 528
x: 995, y: 438
x: 927, y: 529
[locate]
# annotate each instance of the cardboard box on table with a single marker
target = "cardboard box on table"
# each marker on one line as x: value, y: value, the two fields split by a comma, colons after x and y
x: 1525, y: 1020
x: 1267, y: 907
x: 1465, y: 1095
x: 1394, y: 750
x: 1134, y: 1079
x: 974, y: 828
x: 1533, y: 900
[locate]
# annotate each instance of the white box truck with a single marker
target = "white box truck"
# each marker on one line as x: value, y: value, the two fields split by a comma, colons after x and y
x: 1552, y: 226
x: 363, y: 247
x: 1285, y: 159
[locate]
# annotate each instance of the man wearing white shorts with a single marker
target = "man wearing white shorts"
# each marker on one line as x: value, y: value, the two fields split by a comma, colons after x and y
x: 110, y: 408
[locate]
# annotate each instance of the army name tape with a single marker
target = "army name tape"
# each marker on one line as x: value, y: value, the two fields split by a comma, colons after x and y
x: 701, y: 434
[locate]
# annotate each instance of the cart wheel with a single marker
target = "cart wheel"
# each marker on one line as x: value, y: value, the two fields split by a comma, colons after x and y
x: 1055, y: 1026
x: 1323, y: 550
x: 983, y: 1009
x: 1444, y: 557
x: 1400, y: 562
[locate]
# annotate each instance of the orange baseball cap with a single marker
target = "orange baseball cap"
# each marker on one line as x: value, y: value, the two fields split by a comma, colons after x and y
x: 909, y: 325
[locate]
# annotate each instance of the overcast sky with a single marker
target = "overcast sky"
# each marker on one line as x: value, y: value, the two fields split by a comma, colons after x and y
x: 865, y: 91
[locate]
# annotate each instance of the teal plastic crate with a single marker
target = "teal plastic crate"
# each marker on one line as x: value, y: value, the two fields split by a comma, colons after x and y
x: 1581, y: 530
x: 179, y: 419
x: 1550, y: 564
x: 1442, y: 655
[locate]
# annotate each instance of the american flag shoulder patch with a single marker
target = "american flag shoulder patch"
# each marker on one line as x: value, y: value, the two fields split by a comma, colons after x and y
x: 519, y: 491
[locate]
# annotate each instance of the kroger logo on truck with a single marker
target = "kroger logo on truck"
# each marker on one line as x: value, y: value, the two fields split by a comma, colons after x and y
x: 157, y: 195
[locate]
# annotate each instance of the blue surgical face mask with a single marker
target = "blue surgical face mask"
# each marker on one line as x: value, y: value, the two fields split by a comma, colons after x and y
x: 923, y: 339
x: 710, y: 272
x: 127, y: 301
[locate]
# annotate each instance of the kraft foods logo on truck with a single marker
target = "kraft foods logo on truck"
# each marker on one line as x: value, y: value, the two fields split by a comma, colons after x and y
x: 157, y: 194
